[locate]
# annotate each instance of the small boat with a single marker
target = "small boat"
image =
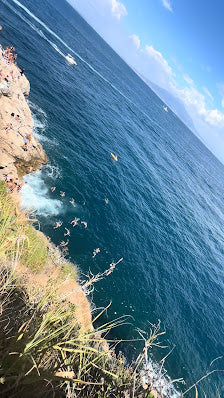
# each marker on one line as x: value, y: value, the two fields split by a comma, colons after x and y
x: 165, y: 108
x: 70, y: 59
x: 114, y: 156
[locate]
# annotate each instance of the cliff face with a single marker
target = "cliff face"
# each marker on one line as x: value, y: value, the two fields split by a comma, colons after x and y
x: 13, y: 128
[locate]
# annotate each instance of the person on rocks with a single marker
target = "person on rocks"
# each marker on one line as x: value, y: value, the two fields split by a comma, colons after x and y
x: 27, y: 139
x: 9, y: 127
x: 20, y: 185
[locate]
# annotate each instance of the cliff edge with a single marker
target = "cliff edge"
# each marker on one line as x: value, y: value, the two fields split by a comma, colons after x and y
x: 16, y: 125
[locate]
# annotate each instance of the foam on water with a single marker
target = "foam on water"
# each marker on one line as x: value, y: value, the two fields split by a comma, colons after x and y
x: 155, y: 375
x: 36, y: 195
x: 39, y: 122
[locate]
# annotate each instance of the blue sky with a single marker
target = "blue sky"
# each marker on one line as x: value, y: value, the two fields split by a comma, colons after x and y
x: 174, y: 43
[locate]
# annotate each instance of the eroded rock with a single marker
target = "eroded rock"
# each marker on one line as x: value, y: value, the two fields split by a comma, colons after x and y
x: 13, y: 129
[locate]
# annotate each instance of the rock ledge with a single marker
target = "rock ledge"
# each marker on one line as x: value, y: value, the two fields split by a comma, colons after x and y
x: 13, y: 129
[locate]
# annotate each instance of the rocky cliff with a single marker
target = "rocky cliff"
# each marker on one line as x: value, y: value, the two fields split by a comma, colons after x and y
x: 15, y: 124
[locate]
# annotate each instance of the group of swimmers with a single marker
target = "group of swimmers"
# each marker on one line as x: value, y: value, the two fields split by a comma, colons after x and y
x: 74, y: 223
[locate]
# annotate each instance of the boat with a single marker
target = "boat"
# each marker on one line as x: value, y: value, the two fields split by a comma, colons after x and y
x: 69, y: 58
x: 114, y: 156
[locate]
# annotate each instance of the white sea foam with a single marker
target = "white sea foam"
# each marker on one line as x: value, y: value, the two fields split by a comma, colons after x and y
x: 157, y: 377
x: 39, y: 122
x: 36, y: 195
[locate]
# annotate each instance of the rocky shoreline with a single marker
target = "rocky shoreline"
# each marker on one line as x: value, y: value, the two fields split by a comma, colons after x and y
x: 16, y: 123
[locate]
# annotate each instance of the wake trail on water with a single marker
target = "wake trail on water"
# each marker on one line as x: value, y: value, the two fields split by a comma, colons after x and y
x: 19, y: 4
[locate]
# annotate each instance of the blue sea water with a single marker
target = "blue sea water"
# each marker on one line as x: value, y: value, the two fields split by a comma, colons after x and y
x: 165, y: 214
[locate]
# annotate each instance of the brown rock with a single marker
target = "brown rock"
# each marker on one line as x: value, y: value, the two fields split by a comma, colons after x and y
x: 13, y: 100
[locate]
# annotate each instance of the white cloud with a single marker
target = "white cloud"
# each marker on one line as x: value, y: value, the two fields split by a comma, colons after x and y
x: 167, y: 5
x: 207, y: 92
x: 118, y: 9
x: 160, y: 72
x: 188, y: 79
x: 214, y: 117
x: 135, y: 40
x: 196, y: 104
x: 157, y: 57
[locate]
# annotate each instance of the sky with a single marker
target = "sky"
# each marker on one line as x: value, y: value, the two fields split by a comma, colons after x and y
x: 177, y: 45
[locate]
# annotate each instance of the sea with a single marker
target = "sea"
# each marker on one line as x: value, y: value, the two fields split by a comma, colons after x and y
x: 160, y: 206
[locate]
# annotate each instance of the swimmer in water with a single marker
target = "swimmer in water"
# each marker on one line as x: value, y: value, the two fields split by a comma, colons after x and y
x: 84, y: 223
x: 58, y: 224
x: 72, y: 201
x: 96, y: 251
x: 74, y: 222
x: 63, y: 243
x: 67, y: 232
x: 62, y: 193
x: 106, y: 201
x: 53, y: 189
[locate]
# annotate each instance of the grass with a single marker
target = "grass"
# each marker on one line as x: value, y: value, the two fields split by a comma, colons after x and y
x: 43, y: 349
x: 67, y: 269
x: 34, y: 254
x: 16, y: 231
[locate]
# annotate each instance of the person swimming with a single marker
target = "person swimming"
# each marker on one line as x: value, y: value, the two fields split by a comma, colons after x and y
x: 72, y: 201
x: 53, y: 189
x: 67, y: 232
x: 106, y: 201
x: 96, y: 251
x: 74, y: 222
x: 84, y: 223
x: 63, y: 243
x: 58, y: 224
x: 62, y: 193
